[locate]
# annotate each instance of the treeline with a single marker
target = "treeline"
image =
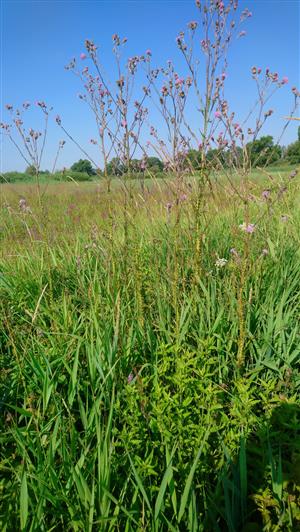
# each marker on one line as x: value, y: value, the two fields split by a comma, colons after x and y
x: 259, y: 153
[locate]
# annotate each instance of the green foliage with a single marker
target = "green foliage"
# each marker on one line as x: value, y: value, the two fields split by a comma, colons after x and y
x: 122, y: 404
x: 154, y: 164
x: 15, y: 177
x: 83, y: 166
x: 31, y: 170
x: 71, y: 175
x: 263, y: 152
x: 293, y: 153
x: 115, y: 167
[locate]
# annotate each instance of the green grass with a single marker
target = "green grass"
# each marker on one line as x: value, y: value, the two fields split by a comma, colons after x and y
x: 142, y: 386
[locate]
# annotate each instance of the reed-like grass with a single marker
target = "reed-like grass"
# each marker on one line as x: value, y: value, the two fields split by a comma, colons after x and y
x: 124, y: 403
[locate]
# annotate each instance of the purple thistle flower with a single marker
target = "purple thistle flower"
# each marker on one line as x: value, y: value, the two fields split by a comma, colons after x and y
x: 247, y: 228
x: 266, y: 194
x: 130, y: 378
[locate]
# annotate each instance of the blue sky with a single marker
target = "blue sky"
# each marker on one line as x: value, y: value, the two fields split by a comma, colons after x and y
x: 40, y: 37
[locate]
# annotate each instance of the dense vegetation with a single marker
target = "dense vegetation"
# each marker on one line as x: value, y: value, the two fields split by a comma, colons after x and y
x: 262, y: 152
x: 150, y: 370
x: 149, y: 300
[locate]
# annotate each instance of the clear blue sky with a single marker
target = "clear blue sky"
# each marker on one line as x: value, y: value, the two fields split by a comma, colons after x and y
x: 40, y: 37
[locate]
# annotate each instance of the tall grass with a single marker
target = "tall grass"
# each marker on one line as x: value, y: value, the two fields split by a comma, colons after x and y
x: 124, y: 402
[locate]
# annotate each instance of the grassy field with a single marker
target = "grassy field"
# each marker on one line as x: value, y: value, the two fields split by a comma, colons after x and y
x: 150, y: 355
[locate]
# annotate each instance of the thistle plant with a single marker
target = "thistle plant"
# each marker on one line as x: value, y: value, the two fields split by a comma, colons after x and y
x: 118, y: 114
x: 30, y: 143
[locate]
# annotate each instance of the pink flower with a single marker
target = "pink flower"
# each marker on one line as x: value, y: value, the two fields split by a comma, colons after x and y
x: 218, y: 114
x: 193, y: 25
x: 247, y: 228
x: 82, y: 56
x: 148, y: 52
x: 266, y: 194
x: 285, y: 80
x: 130, y: 378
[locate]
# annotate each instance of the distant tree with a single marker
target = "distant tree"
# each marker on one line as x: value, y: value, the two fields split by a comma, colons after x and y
x: 135, y: 166
x: 84, y: 166
x: 30, y: 170
x: 154, y: 164
x: 115, y: 167
x: 193, y: 159
x: 263, y: 152
x: 299, y: 133
x: 293, y: 153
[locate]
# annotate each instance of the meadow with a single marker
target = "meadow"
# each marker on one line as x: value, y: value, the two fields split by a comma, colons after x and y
x: 150, y: 354
x: 149, y: 292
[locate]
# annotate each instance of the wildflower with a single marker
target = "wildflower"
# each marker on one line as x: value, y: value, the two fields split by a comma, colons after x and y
x: 148, y: 52
x: 91, y: 47
x: 247, y: 228
x: 120, y: 82
x: 268, y: 113
x: 295, y: 91
x: 242, y: 33
x: 284, y: 80
x: 130, y: 378
x: 9, y: 107
x: 23, y: 206
x: 284, y: 218
x: 41, y: 104
x: 265, y: 252
x: 218, y: 114
x: 82, y: 56
x: 4, y: 126
x: 192, y: 25
x: 179, y: 82
x: 293, y: 174
x: 164, y: 90
x: 266, y: 194
x: 204, y: 45
x: 26, y: 105
x: 58, y: 120
x: 220, y: 263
